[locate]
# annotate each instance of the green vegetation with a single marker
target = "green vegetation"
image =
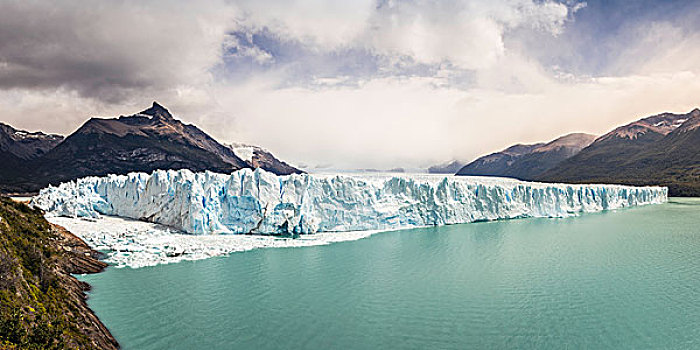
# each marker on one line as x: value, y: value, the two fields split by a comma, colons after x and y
x: 36, y: 312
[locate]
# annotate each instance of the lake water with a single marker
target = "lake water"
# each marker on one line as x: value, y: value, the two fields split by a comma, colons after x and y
x: 618, y: 280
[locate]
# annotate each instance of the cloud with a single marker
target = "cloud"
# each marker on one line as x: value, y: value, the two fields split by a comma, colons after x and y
x: 117, y: 50
x: 657, y: 47
x: 351, y: 83
x: 326, y: 24
x: 464, y: 33
x: 110, y: 50
x: 468, y: 34
x: 414, y: 122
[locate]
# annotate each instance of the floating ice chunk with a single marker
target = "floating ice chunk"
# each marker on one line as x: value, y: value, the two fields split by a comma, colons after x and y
x: 137, y: 244
x: 260, y: 202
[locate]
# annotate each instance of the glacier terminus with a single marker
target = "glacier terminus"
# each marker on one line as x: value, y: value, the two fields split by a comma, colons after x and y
x: 260, y: 202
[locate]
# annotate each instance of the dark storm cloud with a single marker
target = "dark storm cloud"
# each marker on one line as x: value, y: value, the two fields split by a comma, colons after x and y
x: 106, y: 50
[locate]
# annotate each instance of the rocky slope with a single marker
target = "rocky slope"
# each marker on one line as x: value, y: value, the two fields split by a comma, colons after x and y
x: 18, y: 147
x: 24, y: 144
x: 526, y: 162
x: 663, y: 149
x: 42, y: 306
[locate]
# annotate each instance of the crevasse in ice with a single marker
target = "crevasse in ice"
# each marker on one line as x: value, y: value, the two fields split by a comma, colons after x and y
x: 260, y: 202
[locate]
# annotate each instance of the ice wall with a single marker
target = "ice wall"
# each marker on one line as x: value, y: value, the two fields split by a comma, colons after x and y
x: 260, y: 202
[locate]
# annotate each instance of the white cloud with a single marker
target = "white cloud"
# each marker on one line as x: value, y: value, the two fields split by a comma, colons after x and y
x: 658, y: 47
x: 466, y: 33
x: 413, y: 122
x: 326, y: 24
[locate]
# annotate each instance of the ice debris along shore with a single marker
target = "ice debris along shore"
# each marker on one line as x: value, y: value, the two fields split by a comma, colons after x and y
x: 260, y: 202
x: 135, y: 244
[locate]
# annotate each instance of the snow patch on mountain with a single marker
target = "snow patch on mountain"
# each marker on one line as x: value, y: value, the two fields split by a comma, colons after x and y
x: 244, y: 151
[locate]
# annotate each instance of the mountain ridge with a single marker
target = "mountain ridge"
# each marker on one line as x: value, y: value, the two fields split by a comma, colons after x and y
x: 526, y: 162
x: 663, y: 149
x: 24, y: 144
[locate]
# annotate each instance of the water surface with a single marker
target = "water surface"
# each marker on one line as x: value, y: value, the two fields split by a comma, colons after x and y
x: 617, y: 280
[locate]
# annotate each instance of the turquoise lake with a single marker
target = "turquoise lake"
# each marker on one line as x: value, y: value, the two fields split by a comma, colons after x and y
x: 628, y: 279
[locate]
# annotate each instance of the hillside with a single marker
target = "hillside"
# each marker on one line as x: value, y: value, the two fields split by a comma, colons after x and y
x: 662, y: 150
x: 527, y: 162
x: 41, y: 305
x: 24, y: 144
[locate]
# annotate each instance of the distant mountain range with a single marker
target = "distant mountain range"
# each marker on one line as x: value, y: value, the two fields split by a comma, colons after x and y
x: 451, y: 167
x: 663, y: 149
x: 26, y: 145
x: 659, y: 150
x: 527, y: 162
x: 146, y: 141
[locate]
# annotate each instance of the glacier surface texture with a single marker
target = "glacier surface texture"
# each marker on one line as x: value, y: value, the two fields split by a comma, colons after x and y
x: 260, y: 202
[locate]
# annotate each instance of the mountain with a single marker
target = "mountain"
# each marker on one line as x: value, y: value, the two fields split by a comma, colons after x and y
x: 527, y: 162
x: 19, y: 146
x: 146, y: 141
x: 663, y: 149
x: 143, y: 142
x: 451, y: 167
x: 258, y: 157
x: 24, y: 144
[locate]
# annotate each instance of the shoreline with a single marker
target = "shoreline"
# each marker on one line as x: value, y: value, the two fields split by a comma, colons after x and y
x: 42, y: 303
x: 84, y: 260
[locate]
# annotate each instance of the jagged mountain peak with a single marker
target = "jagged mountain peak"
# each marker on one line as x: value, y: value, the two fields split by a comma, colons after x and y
x: 662, y: 149
x: 142, y: 142
x: 158, y: 111
x: 692, y: 123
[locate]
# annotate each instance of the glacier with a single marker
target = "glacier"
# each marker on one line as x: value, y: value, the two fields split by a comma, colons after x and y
x: 259, y: 202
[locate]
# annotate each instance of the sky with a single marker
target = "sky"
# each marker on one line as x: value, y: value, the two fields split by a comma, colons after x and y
x: 353, y: 84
